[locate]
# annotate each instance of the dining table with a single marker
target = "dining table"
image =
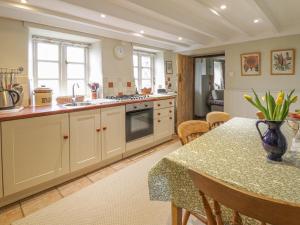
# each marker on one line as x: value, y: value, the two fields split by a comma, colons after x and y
x: 232, y: 153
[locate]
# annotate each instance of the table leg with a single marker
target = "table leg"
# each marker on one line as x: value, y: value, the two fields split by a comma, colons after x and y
x: 176, y: 215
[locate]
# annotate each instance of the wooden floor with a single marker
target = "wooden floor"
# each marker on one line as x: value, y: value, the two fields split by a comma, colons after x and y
x: 33, y: 203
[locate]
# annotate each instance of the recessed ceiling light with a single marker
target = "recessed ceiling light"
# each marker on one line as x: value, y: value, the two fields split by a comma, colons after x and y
x: 214, y: 12
x: 256, y: 20
x: 142, y: 32
x: 103, y: 15
x: 223, y: 7
x: 138, y: 34
x: 179, y: 38
x: 24, y: 1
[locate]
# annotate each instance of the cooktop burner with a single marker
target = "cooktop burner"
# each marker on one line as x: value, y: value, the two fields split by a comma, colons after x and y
x: 128, y: 97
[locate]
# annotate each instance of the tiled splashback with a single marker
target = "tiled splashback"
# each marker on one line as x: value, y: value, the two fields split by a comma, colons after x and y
x: 114, y: 86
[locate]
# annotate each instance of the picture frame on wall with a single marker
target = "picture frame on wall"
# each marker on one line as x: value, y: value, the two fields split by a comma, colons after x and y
x: 251, y: 64
x: 283, y: 62
x: 169, y: 67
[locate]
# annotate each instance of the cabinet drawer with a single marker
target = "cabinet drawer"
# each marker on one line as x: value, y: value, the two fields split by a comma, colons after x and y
x: 164, y: 103
x: 166, y: 112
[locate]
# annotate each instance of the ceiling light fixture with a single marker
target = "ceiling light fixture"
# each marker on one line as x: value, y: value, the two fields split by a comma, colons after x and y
x: 138, y: 35
x: 214, y: 12
x: 223, y: 7
x: 142, y: 32
x: 103, y: 15
x: 179, y: 38
x: 24, y: 1
x: 256, y: 21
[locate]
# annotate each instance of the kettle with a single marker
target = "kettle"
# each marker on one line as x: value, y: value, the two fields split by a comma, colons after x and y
x: 8, y: 99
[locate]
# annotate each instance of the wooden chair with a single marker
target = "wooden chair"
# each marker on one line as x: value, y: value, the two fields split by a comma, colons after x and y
x: 263, y: 209
x: 188, y: 131
x: 217, y: 118
x: 260, y: 115
x: 191, y: 129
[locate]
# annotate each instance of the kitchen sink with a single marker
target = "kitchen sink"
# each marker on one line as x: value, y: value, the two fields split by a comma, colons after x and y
x: 77, y: 104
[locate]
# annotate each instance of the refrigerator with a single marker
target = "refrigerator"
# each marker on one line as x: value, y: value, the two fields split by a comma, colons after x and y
x: 202, y: 87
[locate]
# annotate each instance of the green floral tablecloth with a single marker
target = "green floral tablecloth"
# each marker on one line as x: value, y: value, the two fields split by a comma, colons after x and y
x: 232, y: 153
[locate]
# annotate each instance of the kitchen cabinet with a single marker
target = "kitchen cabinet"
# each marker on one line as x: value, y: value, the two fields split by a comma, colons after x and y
x: 85, y: 139
x: 34, y: 151
x: 163, y: 121
x: 113, y: 131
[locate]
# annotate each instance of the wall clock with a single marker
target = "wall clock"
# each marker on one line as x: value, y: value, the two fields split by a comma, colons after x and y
x: 119, y: 51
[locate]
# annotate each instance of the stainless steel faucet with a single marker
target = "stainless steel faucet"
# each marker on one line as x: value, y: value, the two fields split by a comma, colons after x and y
x: 73, y: 93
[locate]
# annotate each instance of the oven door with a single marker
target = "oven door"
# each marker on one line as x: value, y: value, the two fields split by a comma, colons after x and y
x: 139, y: 124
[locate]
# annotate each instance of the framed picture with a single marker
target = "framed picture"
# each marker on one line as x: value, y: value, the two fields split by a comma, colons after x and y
x: 251, y: 64
x: 169, y: 67
x: 283, y: 62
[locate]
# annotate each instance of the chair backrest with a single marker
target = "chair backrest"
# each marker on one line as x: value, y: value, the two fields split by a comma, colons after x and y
x: 260, y: 115
x: 258, y: 207
x: 191, y: 129
x: 217, y: 118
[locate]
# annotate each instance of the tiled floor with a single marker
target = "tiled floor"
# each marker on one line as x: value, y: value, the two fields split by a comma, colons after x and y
x: 33, y: 203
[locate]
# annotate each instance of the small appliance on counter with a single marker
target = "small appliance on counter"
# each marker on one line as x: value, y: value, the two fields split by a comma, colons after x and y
x: 10, y: 91
x: 42, y: 96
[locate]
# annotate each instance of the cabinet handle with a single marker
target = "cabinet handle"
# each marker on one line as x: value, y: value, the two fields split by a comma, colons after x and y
x: 66, y: 137
x: 158, y: 114
x: 170, y: 111
x: 158, y: 121
x: 104, y: 128
x: 170, y: 103
x: 170, y: 118
x: 146, y: 105
x: 158, y: 105
x: 98, y: 129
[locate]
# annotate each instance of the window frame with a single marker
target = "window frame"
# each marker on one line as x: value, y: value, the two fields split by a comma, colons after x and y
x: 139, y: 55
x: 62, y: 63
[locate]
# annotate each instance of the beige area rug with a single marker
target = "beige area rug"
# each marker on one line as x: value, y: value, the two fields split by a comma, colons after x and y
x: 119, y: 199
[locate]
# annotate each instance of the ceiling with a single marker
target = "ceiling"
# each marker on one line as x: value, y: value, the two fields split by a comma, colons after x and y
x: 178, y: 25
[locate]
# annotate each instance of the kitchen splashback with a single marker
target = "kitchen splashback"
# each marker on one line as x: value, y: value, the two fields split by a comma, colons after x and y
x: 115, y: 86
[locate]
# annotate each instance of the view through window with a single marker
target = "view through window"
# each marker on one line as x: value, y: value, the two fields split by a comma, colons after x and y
x: 58, y: 65
x: 143, y: 69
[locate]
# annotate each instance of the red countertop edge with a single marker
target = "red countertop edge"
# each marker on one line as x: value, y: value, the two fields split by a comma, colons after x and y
x: 32, y: 111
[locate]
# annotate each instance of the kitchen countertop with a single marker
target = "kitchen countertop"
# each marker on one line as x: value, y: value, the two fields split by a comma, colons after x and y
x: 32, y: 111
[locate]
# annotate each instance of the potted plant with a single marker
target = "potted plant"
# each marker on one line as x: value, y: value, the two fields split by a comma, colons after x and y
x: 275, y: 112
x: 94, y: 90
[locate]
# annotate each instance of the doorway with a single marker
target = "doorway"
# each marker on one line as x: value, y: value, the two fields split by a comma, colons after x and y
x: 209, y: 84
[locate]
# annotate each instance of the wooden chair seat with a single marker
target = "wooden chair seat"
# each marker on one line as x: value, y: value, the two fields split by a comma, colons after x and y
x: 217, y: 118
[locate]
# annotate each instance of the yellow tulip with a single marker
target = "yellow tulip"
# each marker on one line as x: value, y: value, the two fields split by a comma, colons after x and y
x: 280, y: 94
x: 279, y: 100
x: 263, y: 98
x: 294, y: 99
x: 248, y: 97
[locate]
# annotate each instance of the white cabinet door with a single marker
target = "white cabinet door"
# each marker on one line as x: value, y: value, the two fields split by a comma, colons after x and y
x: 85, y: 135
x: 34, y: 151
x: 113, y: 131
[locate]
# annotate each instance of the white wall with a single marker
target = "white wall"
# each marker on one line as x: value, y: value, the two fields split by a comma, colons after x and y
x: 112, y: 66
x: 236, y: 85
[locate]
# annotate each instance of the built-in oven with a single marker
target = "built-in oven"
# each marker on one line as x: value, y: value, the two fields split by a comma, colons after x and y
x: 139, y: 120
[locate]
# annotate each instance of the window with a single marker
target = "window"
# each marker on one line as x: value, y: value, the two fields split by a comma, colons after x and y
x: 59, y: 64
x: 143, y: 69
